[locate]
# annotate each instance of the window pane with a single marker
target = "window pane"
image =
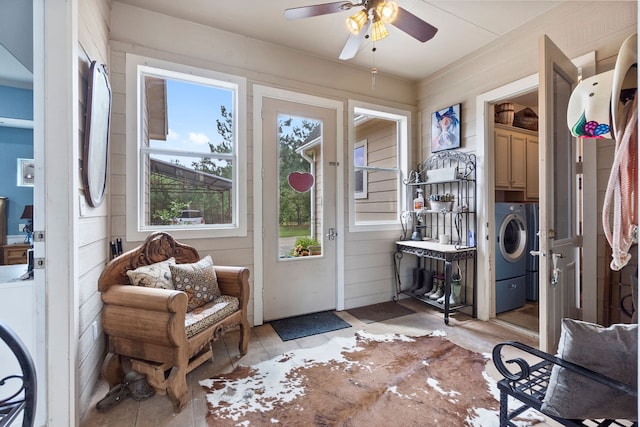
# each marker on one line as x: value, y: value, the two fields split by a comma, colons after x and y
x: 360, y: 180
x: 381, y: 203
x: 300, y: 187
x: 563, y: 161
x: 188, y: 149
x: 177, y: 187
x: 376, y: 197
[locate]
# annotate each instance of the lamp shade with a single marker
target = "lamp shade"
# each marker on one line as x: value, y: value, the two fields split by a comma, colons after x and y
x: 357, y: 21
x: 378, y: 31
x: 387, y: 11
x: 27, y: 213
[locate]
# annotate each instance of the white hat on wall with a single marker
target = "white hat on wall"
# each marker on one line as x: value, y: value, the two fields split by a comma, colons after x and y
x: 595, y: 105
x: 588, y: 111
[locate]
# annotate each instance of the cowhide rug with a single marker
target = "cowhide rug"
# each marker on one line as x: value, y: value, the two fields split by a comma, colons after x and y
x: 365, y: 380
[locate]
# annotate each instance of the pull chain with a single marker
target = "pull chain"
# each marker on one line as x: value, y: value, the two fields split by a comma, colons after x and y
x: 374, y: 70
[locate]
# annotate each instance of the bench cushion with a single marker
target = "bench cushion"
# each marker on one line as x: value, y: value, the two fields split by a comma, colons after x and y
x: 612, y: 352
x: 209, y: 314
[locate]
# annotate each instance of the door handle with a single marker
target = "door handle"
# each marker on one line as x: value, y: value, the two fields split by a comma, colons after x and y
x: 536, y: 253
x: 332, y: 234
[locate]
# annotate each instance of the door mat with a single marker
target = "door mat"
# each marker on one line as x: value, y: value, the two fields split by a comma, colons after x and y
x: 306, y: 325
x: 379, y: 312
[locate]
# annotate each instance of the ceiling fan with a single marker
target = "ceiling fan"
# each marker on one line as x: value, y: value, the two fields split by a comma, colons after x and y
x: 373, y: 14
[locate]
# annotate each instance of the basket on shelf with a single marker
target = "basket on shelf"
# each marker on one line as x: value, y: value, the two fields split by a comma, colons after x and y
x: 526, y: 119
x: 504, y: 113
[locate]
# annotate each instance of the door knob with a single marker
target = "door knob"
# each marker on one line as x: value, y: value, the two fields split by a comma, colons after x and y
x: 332, y: 234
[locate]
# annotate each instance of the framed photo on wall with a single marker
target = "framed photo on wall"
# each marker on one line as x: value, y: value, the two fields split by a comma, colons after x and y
x: 26, y: 170
x: 445, y: 129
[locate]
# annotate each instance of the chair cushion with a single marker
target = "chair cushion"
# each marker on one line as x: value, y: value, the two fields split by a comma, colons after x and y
x: 156, y: 275
x: 201, y: 318
x: 612, y: 352
x: 198, y: 280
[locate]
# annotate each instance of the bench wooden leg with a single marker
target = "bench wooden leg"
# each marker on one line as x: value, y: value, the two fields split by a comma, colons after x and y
x: 244, y: 337
x: 112, y: 370
x: 177, y: 387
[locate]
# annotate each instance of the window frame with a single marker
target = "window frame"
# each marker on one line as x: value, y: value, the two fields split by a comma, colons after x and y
x: 136, y: 230
x: 403, y: 120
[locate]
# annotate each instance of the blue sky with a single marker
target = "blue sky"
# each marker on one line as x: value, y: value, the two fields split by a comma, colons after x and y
x: 192, y: 113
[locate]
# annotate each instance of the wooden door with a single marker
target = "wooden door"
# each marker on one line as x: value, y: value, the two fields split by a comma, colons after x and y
x: 559, y: 242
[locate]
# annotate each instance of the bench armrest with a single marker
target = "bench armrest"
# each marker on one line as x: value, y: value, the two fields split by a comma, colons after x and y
x: 146, y: 298
x: 158, y: 314
x: 545, y: 360
x: 234, y: 281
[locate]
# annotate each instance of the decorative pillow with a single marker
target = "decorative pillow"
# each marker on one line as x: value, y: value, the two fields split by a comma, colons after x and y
x: 198, y: 280
x: 155, y: 275
x: 204, y: 262
x: 612, y: 352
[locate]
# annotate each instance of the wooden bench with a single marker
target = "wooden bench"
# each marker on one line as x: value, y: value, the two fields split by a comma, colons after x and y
x: 529, y: 385
x: 150, y: 327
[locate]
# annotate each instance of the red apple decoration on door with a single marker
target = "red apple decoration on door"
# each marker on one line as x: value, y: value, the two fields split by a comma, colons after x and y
x: 301, y: 181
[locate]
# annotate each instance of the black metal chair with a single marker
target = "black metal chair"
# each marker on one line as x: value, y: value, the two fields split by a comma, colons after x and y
x: 21, y: 387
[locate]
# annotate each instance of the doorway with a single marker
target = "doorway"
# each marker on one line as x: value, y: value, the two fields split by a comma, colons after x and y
x: 296, y: 203
x: 516, y: 193
x: 487, y: 189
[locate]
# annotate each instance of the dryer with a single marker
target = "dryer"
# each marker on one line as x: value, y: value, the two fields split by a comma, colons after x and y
x: 511, y: 256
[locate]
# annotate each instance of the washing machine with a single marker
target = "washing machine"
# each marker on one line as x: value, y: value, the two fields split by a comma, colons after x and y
x: 511, y: 256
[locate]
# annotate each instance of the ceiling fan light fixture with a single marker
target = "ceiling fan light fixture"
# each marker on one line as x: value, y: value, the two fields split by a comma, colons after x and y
x: 357, y: 21
x: 378, y: 30
x: 387, y: 11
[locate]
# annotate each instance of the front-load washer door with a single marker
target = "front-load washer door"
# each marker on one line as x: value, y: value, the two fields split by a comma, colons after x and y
x: 512, y: 238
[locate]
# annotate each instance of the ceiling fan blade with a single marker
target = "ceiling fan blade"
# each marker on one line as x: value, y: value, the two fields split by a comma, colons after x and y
x: 317, y: 9
x: 353, y: 43
x: 414, y: 26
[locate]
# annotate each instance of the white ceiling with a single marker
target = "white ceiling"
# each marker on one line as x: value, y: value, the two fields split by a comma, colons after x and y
x: 463, y: 26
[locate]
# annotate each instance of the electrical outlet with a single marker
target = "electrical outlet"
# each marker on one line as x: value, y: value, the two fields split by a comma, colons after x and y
x: 95, y: 329
x: 21, y: 227
x: 82, y: 205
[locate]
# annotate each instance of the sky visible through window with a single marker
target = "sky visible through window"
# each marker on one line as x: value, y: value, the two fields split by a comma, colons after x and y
x: 192, y: 113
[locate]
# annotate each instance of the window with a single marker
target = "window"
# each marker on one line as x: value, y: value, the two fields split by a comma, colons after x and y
x: 378, y: 138
x: 185, y: 149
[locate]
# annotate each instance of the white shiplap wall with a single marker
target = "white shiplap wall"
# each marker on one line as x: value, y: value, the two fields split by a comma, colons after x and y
x: 93, y: 226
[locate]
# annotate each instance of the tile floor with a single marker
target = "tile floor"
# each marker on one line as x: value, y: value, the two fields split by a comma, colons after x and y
x: 265, y: 343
